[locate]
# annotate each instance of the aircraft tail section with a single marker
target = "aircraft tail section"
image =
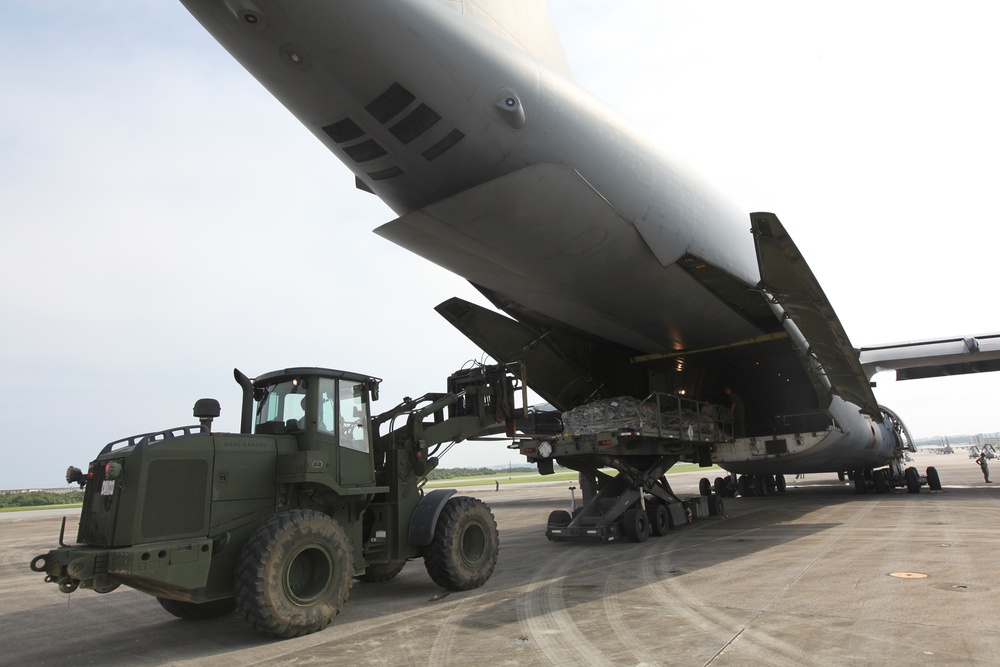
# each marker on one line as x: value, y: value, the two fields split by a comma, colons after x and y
x: 526, y: 23
x: 788, y: 280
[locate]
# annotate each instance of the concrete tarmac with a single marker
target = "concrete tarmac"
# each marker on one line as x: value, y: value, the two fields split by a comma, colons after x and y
x: 803, y: 578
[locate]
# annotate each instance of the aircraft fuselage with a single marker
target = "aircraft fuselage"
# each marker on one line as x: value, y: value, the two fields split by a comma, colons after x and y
x: 506, y: 172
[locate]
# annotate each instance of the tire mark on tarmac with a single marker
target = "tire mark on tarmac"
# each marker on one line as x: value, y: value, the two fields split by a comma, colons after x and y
x: 444, y: 640
x: 542, y: 613
x: 779, y: 651
x: 620, y: 626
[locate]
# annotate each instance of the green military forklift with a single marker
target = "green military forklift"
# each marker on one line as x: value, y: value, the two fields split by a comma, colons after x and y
x: 278, y: 520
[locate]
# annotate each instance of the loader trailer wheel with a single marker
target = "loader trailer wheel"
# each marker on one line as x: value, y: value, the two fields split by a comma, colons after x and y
x: 659, y: 519
x: 464, y: 550
x: 380, y: 572
x: 635, y: 525
x: 294, y: 574
x: 198, y: 611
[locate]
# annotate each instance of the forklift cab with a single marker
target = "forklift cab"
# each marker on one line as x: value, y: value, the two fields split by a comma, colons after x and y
x: 326, y: 410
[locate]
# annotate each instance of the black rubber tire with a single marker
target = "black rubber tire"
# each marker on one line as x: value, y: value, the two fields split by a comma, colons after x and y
x: 379, y: 572
x: 933, y: 479
x: 779, y: 483
x: 715, y: 505
x: 881, y: 481
x: 860, y: 483
x: 760, y: 485
x: 743, y: 486
x: 559, y: 518
x: 704, y: 487
x: 659, y: 519
x: 198, y: 611
x: 635, y: 525
x: 719, y: 486
x: 294, y: 574
x: 466, y: 543
x: 912, y: 480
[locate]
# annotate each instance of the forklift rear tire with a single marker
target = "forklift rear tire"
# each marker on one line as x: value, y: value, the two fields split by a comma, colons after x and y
x: 380, y: 572
x: 464, y: 550
x: 198, y: 611
x: 294, y: 574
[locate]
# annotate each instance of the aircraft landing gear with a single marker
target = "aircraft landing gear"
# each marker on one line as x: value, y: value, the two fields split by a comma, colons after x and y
x: 886, y: 480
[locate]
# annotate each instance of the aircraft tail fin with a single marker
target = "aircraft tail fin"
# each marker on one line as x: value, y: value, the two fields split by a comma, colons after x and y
x: 526, y: 23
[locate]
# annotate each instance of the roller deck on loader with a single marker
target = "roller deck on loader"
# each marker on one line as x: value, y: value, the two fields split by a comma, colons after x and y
x: 640, y: 440
x: 279, y: 519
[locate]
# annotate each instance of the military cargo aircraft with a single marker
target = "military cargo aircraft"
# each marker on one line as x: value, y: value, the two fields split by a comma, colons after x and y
x: 615, y: 269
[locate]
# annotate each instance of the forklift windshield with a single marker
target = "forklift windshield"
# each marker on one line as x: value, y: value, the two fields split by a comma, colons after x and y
x: 343, y: 410
x: 283, y: 402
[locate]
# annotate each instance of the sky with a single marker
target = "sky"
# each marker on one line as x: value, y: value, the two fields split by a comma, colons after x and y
x: 165, y: 220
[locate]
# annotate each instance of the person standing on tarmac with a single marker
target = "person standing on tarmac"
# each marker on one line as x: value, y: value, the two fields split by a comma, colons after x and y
x: 739, y: 412
x: 985, y: 467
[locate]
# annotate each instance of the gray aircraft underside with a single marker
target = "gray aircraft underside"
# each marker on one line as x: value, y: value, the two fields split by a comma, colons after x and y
x: 620, y: 270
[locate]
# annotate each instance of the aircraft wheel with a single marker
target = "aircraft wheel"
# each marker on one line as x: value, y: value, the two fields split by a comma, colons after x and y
x: 779, y: 483
x: 760, y: 485
x: 704, y: 487
x: 198, y: 611
x: 466, y: 543
x: 294, y: 574
x: 912, y: 480
x: 743, y: 486
x: 860, y: 485
x: 379, y: 572
x: 881, y: 482
x: 933, y: 479
x: 719, y: 486
x: 659, y: 519
x: 715, y: 505
x: 635, y: 525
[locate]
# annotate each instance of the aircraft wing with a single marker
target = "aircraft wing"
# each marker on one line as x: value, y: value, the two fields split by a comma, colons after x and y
x: 934, y: 358
x: 789, y: 280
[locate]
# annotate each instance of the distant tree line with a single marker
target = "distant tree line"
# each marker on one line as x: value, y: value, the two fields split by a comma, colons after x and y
x: 39, y: 498
x: 451, y: 473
